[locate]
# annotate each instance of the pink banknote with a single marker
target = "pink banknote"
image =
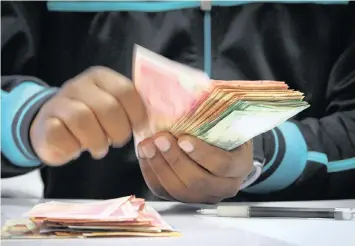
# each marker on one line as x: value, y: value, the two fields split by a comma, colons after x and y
x: 162, y: 84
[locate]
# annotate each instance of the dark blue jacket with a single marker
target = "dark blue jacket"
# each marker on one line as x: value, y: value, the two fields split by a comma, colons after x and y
x: 309, y: 46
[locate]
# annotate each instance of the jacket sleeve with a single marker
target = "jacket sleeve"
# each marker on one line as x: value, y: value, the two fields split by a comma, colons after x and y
x: 22, y: 94
x: 313, y: 158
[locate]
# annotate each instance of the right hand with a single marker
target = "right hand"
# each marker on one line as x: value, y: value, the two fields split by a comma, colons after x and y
x: 90, y: 112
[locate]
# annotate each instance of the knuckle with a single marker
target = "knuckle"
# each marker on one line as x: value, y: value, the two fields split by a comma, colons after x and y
x: 158, y: 168
x: 126, y: 83
x: 80, y: 111
x: 197, y: 184
x: 48, y: 107
x: 222, y: 170
x: 110, y: 103
x: 78, y: 115
x: 72, y: 86
x: 173, y: 159
x: 96, y: 71
x: 53, y: 125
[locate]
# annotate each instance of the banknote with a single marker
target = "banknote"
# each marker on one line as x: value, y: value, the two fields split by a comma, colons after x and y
x: 226, y: 114
x: 241, y: 110
x: 126, y: 216
x: 162, y: 83
x: 113, y: 209
x: 239, y: 126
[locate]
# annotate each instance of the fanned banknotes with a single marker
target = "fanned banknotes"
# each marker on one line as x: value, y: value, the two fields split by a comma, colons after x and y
x: 226, y: 114
x: 122, y: 217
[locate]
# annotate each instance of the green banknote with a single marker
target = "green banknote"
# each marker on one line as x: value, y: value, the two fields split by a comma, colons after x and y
x: 245, y: 120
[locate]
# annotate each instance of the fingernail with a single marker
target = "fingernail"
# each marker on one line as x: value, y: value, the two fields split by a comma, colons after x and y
x: 162, y: 143
x: 186, y: 146
x: 76, y: 155
x: 99, y: 155
x: 140, y: 153
x: 149, y: 151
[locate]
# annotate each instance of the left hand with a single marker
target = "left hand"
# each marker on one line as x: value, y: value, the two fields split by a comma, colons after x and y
x: 192, y: 171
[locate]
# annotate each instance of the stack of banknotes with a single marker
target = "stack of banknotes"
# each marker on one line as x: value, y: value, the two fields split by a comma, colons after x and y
x: 122, y: 217
x: 226, y: 114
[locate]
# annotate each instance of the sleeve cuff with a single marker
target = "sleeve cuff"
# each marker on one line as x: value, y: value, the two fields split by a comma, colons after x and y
x: 19, y: 107
x: 253, y: 176
x: 286, y: 151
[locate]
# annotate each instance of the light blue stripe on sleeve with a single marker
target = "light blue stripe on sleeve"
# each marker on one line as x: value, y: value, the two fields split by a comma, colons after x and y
x: 292, y: 164
x: 207, y: 43
x: 138, y: 6
x: 158, y: 6
x: 332, y: 166
x: 23, y: 113
x: 11, y: 103
x: 318, y: 157
x: 341, y: 165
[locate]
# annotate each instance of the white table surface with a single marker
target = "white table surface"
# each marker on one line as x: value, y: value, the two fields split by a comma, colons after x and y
x: 216, y: 231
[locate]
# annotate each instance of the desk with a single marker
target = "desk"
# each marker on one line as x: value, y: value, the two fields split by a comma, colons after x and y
x: 217, y: 231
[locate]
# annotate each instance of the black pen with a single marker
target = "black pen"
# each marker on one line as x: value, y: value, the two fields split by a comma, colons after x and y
x: 280, y: 212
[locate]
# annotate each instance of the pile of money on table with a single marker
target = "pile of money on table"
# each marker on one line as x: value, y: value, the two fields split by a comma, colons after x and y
x: 226, y: 114
x: 122, y: 217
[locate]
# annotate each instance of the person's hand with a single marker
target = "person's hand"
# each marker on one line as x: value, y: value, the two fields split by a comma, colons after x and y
x: 90, y: 112
x: 192, y: 171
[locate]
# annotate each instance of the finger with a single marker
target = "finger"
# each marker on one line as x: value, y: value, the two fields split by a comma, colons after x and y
x: 82, y: 123
x: 167, y: 177
x: 124, y: 91
x: 191, y: 174
x: 219, y: 162
x: 53, y: 142
x: 152, y: 181
x: 108, y: 111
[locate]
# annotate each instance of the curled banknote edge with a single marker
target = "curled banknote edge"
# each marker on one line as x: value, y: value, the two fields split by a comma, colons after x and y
x: 167, y: 88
